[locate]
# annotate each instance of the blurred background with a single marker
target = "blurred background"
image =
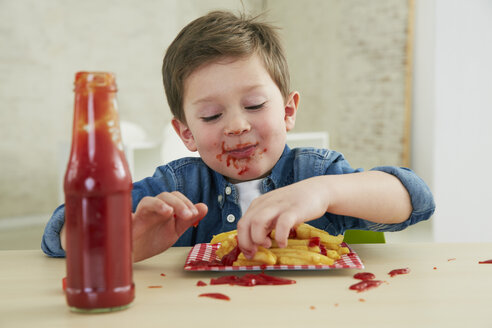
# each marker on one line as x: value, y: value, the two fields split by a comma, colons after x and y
x: 385, y: 82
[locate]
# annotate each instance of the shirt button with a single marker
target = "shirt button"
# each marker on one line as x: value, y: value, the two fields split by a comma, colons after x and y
x: 231, y: 218
x: 219, y: 198
x: 228, y: 190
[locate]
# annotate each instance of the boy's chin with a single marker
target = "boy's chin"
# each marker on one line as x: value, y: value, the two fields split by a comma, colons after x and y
x: 244, y: 176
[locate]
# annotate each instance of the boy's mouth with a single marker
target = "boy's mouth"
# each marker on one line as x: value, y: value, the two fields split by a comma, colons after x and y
x: 242, y: 150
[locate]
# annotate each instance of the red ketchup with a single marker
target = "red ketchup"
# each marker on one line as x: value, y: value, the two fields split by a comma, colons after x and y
x: 364, y: 276
x: 218, y: 296
x: 485, y: 262
x: 396, y: 272
x: 251, y: 279
x: 231, y: 257
x: 97, y: 202
x: 365, y: 285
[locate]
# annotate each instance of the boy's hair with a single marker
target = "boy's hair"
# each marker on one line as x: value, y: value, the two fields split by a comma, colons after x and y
x: 216, y: 35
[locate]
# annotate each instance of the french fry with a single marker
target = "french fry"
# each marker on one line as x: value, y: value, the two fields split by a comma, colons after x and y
x: 226, y: 246
x: 221, y: 237
x: 343, y: 250
x: 309, y: 257
x: 305, y: 231
x: 263, y: 256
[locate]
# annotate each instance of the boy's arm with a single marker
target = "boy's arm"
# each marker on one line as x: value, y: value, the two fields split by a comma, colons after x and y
x: 51, y: 242
x: 374, y: 196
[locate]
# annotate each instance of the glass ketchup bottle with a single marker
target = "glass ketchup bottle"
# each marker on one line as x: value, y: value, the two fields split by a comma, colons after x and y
x: 97, y: 189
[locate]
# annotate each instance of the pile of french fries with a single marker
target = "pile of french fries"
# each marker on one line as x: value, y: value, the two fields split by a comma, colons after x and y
x: 310, y: 246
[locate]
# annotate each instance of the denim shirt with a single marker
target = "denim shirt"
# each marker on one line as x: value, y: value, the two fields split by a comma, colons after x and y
x: 193, y: 178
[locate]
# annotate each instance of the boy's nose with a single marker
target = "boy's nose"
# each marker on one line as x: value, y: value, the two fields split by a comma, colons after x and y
x: 237, y: 125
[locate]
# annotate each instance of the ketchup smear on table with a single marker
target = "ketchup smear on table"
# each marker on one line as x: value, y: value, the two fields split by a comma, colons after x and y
x: 485, y: 262
x: 396, y: 272
x: 365, y: 285
x: 218, y: 296
x: 251, y: 279
x: 367, y: 282
x: 365, y: 276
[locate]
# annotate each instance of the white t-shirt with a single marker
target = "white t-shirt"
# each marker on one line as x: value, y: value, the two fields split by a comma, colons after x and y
x: 248, y: 191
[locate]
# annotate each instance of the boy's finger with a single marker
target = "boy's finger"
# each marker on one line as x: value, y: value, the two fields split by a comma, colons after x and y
x: 244, y: 240
x: 202, y: 210
x: 259, y: 234
x: 182, y: 224
x: 282, y: 230
x: 154, y: 205
x: 180, y: 205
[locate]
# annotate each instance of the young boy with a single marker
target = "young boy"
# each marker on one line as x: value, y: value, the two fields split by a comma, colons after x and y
x: 227, y: 84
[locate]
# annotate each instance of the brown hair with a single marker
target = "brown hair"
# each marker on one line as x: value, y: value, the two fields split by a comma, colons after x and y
x: 216, y: 35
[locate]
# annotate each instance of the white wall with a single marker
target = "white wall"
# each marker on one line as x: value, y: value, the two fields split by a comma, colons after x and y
x: 43, y: 44
x: 452, y: 138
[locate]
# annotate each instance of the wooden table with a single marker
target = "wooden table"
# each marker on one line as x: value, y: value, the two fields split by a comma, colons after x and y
x: 445, y: 288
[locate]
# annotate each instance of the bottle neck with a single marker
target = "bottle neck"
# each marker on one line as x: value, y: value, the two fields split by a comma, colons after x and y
x: 96, y: 119
x: 97, y: 149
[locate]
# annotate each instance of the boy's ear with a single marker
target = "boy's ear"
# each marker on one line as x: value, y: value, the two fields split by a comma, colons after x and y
x: 184, y: 133
x: 291, y: 110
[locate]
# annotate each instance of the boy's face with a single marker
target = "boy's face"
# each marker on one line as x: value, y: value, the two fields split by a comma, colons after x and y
x: 236, y: 117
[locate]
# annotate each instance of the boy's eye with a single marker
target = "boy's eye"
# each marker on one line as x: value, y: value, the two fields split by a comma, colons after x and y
x: 255, y: 106
x: 210, y: 118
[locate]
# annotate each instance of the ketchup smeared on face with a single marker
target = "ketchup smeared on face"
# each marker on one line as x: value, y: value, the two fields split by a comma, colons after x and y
x: 251, y: 279
x: 235, y: 160
x: 365, y: 285
x: 485, y: 262
x: 239, y: 161
x: 218, y: 296
x: 364, y: 276
x: 396, y: 272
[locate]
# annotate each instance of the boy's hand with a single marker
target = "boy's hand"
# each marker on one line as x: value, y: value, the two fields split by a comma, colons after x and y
x: 280, y: 209
x: 159, y: 221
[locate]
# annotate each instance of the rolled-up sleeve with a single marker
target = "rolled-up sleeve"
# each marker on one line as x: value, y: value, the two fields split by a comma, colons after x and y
x: 51, y: 244
x: 423, y: 205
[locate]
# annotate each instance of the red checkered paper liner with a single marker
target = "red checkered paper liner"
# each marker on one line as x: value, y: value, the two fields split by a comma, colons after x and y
x: 202, y: 258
